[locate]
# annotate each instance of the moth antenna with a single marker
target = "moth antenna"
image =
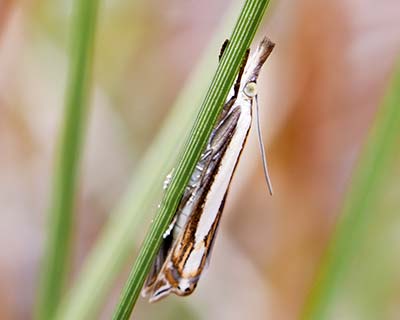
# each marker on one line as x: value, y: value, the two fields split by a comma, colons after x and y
x: 262, y: 148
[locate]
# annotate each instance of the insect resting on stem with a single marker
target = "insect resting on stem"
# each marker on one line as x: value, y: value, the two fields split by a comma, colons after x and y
x: 188, y: 242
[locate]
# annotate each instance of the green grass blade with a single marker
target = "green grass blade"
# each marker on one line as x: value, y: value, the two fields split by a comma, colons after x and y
x: 244, y: 31
x: 64, y: 181
x: 360, y: 203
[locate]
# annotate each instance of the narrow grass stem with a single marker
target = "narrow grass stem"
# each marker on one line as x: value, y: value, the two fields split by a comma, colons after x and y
x: 56, y: 255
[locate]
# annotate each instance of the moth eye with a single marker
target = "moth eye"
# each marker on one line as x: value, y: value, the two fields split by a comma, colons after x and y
x: 250, y: 89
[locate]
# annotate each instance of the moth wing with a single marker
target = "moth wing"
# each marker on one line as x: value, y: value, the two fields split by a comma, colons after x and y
x: 163, y: 277
x: 169, y: 281
x: 184, y: 286
x: 157, y: 265
x: 211, y: 247
x: 166, y: 279
x: 156, y: 285
x: 221, y: 135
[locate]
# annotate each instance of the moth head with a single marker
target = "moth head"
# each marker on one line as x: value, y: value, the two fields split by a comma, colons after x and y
x: 185, y: 287
x: 250, y: 89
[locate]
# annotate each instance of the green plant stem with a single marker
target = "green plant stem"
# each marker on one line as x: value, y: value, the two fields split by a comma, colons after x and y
x: 55, y: 262
x: 244, y: 31
x: 360, y: 204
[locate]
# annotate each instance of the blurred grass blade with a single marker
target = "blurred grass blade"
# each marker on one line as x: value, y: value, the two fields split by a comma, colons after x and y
x: 243, y: 33
x: 68, y: 153
x: 360, y: 203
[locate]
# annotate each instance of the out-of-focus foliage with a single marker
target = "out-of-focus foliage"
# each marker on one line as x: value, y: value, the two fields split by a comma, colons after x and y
x: 362, y: 232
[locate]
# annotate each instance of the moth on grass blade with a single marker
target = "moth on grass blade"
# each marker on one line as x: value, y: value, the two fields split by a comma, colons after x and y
x: 188, y: 242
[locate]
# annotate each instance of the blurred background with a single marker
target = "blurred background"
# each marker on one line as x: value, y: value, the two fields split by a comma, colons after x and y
x: 319, y: 94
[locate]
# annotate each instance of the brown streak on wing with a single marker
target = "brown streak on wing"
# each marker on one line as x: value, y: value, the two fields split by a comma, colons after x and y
x: 171, y: 278
x: 210, y: 238
x: 182, y: 251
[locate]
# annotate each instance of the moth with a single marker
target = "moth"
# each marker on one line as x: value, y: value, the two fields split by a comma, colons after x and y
x: 188, y: 242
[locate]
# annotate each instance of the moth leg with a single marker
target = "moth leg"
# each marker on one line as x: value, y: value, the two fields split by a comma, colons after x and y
x: 228, y: 105
x: 241, y: 70
x: 221, y: 52
x: 242, y: 66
